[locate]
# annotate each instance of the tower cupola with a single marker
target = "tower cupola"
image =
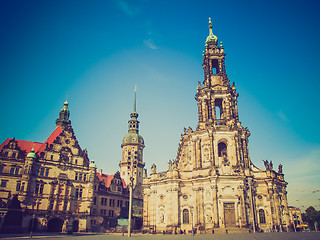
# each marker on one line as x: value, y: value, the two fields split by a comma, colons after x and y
x: 63, y: 119
x: 133, y: 136
x: 211, y: 39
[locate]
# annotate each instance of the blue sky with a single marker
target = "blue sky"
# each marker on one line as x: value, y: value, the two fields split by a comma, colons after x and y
x: 95, y: 52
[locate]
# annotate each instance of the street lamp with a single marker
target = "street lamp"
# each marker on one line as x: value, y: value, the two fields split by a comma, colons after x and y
x: 32, y: 223
x: 130, y: 197
x: 252, y: 208
x: 191, y: 211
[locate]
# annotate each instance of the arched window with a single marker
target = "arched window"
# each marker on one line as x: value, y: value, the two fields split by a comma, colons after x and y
x: 262, y: 216
x: 218, y: 108
x: 185, y: 216
x: 222, y: 149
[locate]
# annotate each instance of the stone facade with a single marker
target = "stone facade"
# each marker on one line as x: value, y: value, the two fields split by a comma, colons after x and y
x: 212, y: 183
x: 53, y: 180
x: 58, y: 186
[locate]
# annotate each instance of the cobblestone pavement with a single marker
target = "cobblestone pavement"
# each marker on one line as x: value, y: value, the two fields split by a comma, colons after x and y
x: 239, y: 236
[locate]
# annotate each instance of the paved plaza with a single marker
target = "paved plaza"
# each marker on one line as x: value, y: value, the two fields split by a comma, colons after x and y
x: 239, y: 236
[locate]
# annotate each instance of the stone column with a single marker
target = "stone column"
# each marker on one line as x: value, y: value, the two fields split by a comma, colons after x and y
x: 215, y: 205
x: 200, y: 117
x: 212, y: 150
x: 199, y: 162
x: 195, y: 154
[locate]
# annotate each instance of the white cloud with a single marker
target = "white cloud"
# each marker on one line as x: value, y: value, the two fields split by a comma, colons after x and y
x: 128, y: 9
x: 150, y: 44
x: 282, y: 116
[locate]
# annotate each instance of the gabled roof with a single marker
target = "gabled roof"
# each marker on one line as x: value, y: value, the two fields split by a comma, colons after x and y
x: 38, y: 147
x: 23, y: 145
x: 108, y: 178
x: 50, y: 139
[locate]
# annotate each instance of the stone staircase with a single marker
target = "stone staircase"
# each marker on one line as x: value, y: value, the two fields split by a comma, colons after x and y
x: 228, y: 230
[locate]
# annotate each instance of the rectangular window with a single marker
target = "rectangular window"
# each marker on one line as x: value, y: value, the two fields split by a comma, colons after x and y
x: 13, y: 155
x: 18, y: 186
x: 1, y: 169
x: 111, y: 202
x: 76, y: 177
x: 3, y: 183
x: 47, y: 172
x: 12, y: 170
x: 80, y: 176
x: 41, y: 171
x: 111, y: 213
x: 78, y: 193
x: 36, y: 190
x: 84, y: 177
x: 119, y: 203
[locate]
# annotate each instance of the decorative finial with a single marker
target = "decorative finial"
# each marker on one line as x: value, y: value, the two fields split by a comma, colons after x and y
x: 209, y: 20
x: 221, y: 45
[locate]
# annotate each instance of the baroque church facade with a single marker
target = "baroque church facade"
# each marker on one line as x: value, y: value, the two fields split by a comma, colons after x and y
x: 212, y: 183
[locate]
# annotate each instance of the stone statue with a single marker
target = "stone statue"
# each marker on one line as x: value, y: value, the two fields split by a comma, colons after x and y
x: 271, y: 165
x: 170, y: 165
x: 280, y: 168
x: 266, y: 164
x: 175, y: 164
x: 153, y: 168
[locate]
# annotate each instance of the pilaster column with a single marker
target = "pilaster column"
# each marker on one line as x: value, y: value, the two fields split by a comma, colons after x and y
x: 199, y: 162
x: 195, y: 154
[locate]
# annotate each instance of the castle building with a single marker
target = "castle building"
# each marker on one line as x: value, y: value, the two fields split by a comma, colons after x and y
x: 54, y: 181
x: 53, y: 184
x: 212, y: 183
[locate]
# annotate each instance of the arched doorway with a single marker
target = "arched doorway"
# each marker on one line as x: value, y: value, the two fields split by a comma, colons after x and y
x: 75, y: 226
x: 55, y: 225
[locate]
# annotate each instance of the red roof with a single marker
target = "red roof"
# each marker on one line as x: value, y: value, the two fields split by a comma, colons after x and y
x: 39, y: 147
x: 108, y: 178
x: 50, y: 139
x: 23, y: 145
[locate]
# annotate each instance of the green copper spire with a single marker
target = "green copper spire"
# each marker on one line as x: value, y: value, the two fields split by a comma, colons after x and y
x: 135, y: 98
x: 133, y: 137
x: 63, y: 119
x: 211, y: 38
x: 31, y: 154
x: 134, y: 115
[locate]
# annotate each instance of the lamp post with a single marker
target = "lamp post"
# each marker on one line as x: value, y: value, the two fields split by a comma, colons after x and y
x: 32, y: 223
x: 191, y: 211
x: 130, y: 198
x: 252, y: 209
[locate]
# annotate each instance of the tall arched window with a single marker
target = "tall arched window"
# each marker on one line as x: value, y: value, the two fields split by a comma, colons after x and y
x: 262, y: 216
x: 222, y: 149
x: 185, y: 216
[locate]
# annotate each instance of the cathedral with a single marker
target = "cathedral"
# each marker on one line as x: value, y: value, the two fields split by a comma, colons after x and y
x: 212, y: 183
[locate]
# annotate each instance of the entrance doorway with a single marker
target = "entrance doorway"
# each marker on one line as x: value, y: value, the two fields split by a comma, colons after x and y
x: 229, y: 215
x: 55, y: 225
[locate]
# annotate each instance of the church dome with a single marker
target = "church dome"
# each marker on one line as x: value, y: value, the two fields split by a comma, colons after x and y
x: 31, y: 154
x: 211, y: 39
x: 132, y: 138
